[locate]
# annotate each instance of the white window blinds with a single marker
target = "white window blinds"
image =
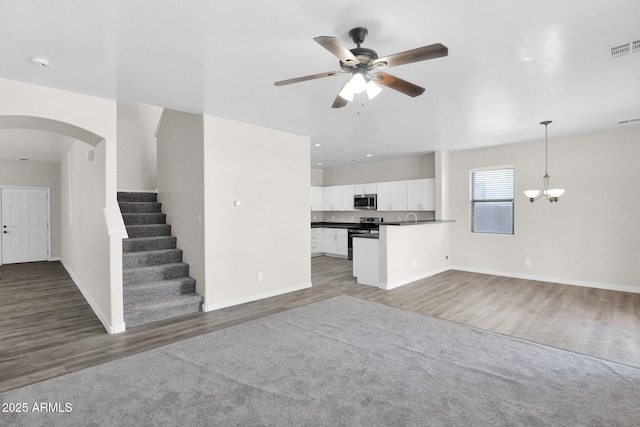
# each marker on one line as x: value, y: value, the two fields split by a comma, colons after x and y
x: 492, y: 201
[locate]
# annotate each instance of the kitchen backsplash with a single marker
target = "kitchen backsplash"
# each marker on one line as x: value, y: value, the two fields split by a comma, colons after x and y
x: 354, y: 216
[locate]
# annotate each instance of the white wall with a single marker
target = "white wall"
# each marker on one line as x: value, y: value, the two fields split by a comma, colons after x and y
x: 181, y: 186
x: 417, y: 167
x: 137, y: 125
x: 412, y: 252
x: 28, y: 174
x: 267, y: 171
x: 590, y: 237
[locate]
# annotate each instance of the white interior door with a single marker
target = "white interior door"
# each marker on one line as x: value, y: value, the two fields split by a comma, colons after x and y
x: 25, y: 224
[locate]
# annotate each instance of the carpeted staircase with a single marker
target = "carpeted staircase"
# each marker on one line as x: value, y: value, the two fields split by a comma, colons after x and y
x: 156, y: 282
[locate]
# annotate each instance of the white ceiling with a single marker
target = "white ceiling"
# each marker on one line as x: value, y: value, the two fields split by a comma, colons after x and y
x: 33, y: 146
x: 510, y: 65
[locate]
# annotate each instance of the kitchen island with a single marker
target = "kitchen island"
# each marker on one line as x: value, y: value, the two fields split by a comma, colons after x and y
x: 403, y: 253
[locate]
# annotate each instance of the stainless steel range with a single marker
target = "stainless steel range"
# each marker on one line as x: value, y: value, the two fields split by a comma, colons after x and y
x: 367, y: 225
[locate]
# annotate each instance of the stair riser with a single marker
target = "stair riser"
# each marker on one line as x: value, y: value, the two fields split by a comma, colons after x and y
x: 137, y: 197
x: 162, y: 272
x: 149, y: 230
x: 138, y: 295
x: 141, y: 259
x: 135, y: 319
x: 140, y: 207
x: 144, y: 218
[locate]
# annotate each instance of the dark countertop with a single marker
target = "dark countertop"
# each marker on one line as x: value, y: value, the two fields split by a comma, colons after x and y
x: 433, y: 221
x: 344, y: 225
x: 367, y: 236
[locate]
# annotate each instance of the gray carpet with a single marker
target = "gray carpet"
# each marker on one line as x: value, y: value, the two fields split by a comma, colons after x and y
x: 341, y: 362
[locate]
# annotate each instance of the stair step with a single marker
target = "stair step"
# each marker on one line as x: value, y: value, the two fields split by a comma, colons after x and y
x: 144, y: 218
x: 131, y: 196
x: 141, y: 244
x: 142, y: 292
x: 145, y: 258
x: 165, y: 308
x: 140, y: 207
x: 153, y: 273
x: 149, y: 230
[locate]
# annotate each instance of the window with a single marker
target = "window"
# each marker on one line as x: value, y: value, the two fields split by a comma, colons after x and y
x: 492, y: 200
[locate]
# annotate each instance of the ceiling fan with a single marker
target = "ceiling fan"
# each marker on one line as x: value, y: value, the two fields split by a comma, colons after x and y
x: 362, y: 63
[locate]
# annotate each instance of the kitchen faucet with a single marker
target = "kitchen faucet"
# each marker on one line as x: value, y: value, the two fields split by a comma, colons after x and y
x: 406, y: 218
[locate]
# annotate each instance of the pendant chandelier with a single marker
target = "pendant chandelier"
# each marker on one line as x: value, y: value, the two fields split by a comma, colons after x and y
x: 552, y: 194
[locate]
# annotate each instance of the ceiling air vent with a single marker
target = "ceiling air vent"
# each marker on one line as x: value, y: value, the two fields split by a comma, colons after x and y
x: 635, y: 46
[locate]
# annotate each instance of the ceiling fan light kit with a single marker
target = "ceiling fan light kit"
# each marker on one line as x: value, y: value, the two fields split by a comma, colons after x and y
x: 363, y: 64
x: 552, y: 194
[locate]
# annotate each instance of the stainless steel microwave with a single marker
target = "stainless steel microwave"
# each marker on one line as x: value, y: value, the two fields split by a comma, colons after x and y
x: 365, y: 201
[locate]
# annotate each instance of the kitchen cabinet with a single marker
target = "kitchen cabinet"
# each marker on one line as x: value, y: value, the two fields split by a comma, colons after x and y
x: 421, y: 194
x: 316, y: 241
x: 346, y: 199
x: 413, y: 195
x: 338, y: 198
x: 392, y: 196
x: 335, y: 241
x: 371, y: 188
x: 316, y: 199
x: 329, y: 241
x: 332, y: 198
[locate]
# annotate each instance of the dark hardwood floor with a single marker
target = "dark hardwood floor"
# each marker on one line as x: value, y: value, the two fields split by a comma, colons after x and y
x: 47, y: 329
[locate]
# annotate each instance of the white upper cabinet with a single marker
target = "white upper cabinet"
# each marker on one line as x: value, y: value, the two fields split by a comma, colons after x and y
x: 413, y: 195
x: 316, y: 199
x: 392, y: 196
x: 347, y: 197
x: 370, y: 188
x: 332, y: 198
x: 422, y: 194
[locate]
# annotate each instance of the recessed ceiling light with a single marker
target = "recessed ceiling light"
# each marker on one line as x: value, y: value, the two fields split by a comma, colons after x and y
x: 317, y: 145
x: 368, y: 155
x: 319, y: 163
x: 39, y: 60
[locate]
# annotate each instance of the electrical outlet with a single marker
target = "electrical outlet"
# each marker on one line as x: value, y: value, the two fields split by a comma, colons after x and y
x: 527, y: 262
x: 259, y: 277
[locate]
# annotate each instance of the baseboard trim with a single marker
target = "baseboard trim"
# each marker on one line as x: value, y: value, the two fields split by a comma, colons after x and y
x: 111, y: 329
x: 54, y: 258
x: 389, y: 286
x: 256, y: 297
x: 596, y: 285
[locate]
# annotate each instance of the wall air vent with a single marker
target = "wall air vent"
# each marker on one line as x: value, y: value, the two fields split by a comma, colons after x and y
x: 354, y: 161
x: 629, y: 121
x: 623, y: 49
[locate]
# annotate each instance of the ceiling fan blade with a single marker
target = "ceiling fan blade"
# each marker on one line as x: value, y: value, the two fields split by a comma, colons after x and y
x: 335, y: 46
x: 340, y: 102
x: 305, y: 78
x: 398, y: 84
x: 420, y: 54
